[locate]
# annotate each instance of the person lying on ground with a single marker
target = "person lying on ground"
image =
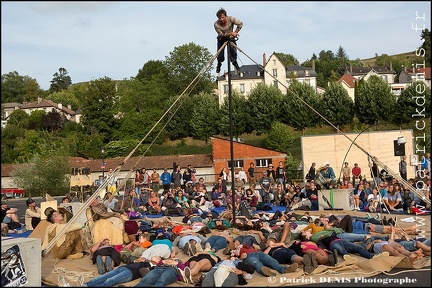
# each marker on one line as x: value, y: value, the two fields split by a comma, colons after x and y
x: 122, y: 274
x: 392, y: 247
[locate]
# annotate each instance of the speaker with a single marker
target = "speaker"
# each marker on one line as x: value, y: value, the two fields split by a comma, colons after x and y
x: 399, y: 149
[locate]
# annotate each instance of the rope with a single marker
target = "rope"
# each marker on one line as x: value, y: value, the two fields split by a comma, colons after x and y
x: 71, y: 275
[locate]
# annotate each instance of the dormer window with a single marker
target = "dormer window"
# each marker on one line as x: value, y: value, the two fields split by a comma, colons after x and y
x: 307, y: 73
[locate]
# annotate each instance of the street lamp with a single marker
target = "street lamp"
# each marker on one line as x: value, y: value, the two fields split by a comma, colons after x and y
x: 103, y: 162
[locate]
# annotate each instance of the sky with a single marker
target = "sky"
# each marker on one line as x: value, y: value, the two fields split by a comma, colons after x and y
x: 93, y: 40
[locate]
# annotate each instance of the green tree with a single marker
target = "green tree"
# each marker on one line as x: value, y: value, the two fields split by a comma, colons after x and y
x: 184, y: 64
x: 414, y: 100
x: 35, y: 119
x: 141, y: 104
x: 19, y: 89
x: 287, y: 59
x: 239, y: 116
x: 205, y: 116
x: 99, y: 108
x: 53, y: 121
x: 263, y: 107
x: 373, y: 100
x: 280, y: 137
x: 19, y: 118
x: 44, y: 173
x: 336, y: 105
x: 61, y: 81
x: 9, y: 136
x: 65, y: 97
x: 178, y: 120
x: 294, y: 111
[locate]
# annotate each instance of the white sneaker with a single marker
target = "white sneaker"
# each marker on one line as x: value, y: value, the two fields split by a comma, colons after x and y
x: 198, y: 247
x: 182, y: 274
x: 207, y: 246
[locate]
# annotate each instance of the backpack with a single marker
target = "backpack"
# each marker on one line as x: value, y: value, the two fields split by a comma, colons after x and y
x: 245, y: 210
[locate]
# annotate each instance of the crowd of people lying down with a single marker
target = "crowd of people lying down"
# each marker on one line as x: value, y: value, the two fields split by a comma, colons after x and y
x: 222, y: 250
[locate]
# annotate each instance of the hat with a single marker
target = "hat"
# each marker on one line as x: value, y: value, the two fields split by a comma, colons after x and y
x: 4, y: 202
x: 326, y: 163
x: 29, y: 201
x: 189, y: 182
x: 48, y: 210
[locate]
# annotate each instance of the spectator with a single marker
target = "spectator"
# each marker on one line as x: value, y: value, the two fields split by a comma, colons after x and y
x: 266, y: 192
x: 155, y: 180
x: 251, y: 175
x: 403, y: 168
x: 356, y: 174
x: 170, y: 206
x: 111, y: 201
x: 166, y: 179
x: 281, y: 174
x: 112, y: 183
x: 312, y: 172
x: 251, y: 199
x: 32, y: 214
x: 271, y: 173
x: 9, y: 216
x: 346, y: 172
x: 242, y: 175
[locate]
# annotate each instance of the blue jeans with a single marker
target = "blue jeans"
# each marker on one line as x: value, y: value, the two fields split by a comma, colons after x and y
x: 112, y: 278
x: 284, y: 255
x: 233, y: 51
x: 217, y: 242
x: 246, y: 240
x: 344, y: 247
x: 159, y: 277
x: 266, y: 196
x: 356, y: 237
x: 260, y: 259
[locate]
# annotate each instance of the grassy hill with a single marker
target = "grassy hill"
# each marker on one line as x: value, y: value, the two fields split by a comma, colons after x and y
x: 371, y: 61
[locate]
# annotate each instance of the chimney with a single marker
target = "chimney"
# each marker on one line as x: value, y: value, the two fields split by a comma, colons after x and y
x: 69, y: 107
x: 39, y: 100
x: 391, y: 66
x: 60, y: 106
x: 264, y: 59
x: 313, y: 64
x: 350, y: 68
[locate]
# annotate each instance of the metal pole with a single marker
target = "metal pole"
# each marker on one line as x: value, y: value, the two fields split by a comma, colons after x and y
x: 231, y: 135
x: 103, y: 163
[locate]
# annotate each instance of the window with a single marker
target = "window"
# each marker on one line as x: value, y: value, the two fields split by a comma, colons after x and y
x: 263, y: 162
x: 225, y: 87
x: 275, y: 72
x: 237, y: 164
x: 275, y: 84
x: 242, y: 88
